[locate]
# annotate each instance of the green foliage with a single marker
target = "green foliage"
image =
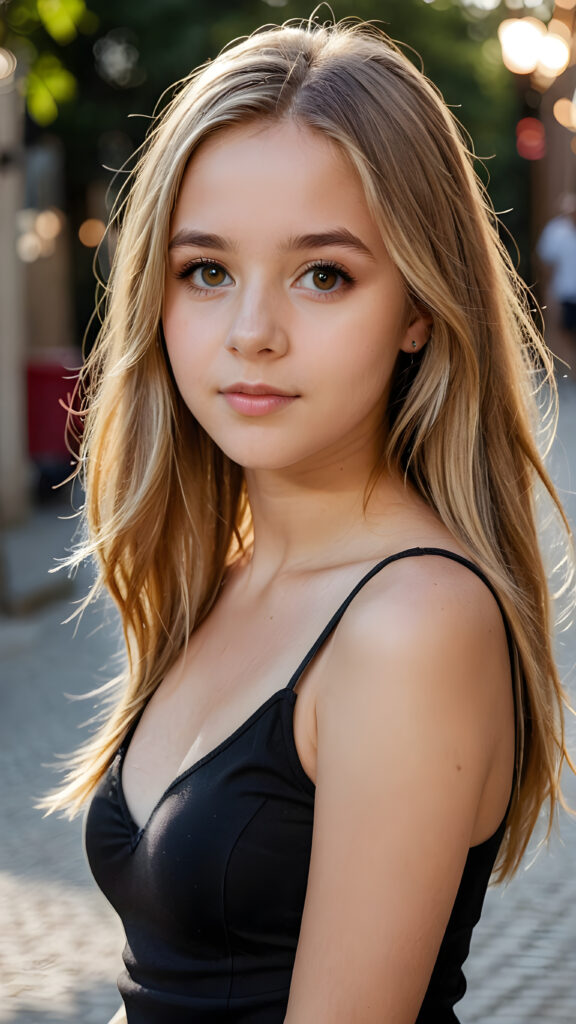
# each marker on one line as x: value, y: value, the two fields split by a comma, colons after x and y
x: 48, y: 84
x: 28, y: 28
x: 20, y: 16
x: 63, y: 19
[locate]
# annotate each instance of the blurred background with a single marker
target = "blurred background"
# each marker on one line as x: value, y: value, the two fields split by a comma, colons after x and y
x: 79, y: 81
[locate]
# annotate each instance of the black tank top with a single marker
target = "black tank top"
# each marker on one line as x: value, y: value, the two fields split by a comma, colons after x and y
x: 211, y: 891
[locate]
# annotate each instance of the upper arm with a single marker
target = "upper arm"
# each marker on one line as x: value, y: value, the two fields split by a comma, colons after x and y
x: 406, y: 734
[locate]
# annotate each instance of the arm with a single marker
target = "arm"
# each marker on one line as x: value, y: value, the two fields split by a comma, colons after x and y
x: 410, y: 712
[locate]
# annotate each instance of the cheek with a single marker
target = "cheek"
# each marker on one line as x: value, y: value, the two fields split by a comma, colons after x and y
x: 368, y: 345
x: 370, y: 376
x: 183, y: 341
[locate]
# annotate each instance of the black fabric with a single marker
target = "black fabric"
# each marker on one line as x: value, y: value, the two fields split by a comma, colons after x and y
x: 211, y: 890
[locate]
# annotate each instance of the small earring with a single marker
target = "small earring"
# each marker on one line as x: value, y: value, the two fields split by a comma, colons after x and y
x: 414, y: 344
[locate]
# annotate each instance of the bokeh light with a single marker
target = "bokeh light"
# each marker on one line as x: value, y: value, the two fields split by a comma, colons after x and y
x: 91, y: 232
x: 554, y: 55
x: 117, y: 56
x: 29, y: 247
x: 482, y: 5
x: 48, y: 224
x: 559, y: 28
x: 542, y: 7
x: 565, y: 113
x: 7, y: 63
x: 530, y: 138
x: 521, y: 42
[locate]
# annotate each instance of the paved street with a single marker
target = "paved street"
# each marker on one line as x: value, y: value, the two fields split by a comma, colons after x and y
x: 60, y: 944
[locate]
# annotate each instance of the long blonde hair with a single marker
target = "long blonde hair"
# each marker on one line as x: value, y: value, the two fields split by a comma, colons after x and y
x: 166, y: 509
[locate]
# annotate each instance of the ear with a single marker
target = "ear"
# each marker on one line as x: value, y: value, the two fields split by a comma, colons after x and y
x: 418, y: 331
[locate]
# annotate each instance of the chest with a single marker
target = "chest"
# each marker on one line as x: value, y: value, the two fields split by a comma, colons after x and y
x: 223, y: 858
x: 234, y: 663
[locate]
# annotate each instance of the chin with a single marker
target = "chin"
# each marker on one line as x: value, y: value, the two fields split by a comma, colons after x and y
x: 271, y: 457
x: 261, y: 462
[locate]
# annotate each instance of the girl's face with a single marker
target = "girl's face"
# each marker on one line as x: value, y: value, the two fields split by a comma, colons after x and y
x: 283, y: 314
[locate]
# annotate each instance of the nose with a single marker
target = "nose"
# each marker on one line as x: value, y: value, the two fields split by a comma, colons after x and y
x: 256, y: 328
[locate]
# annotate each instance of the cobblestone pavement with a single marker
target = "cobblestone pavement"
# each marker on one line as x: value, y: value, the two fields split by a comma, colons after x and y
x: 60, y: 943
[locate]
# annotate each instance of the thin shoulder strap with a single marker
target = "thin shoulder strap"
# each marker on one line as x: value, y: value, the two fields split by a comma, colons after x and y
x: 408, y: 553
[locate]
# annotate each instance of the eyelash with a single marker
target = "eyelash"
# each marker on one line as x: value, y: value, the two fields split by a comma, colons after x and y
x: 345, y: 275
x: 185, y: 273
x: 188, y: 269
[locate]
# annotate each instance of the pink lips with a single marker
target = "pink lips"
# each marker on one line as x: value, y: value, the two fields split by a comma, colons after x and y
x: 256, y: 399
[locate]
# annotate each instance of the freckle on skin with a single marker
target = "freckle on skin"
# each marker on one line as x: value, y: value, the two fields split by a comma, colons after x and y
x: 459, y: 767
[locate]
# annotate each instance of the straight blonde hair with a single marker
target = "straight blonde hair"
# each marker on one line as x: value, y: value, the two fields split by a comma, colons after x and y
x: 166, y: 510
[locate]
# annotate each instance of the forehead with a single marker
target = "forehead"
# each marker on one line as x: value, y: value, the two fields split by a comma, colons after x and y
x: 283, y: 176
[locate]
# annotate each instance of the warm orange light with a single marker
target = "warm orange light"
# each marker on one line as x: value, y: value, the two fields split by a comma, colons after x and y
x: 566, y: 5
x: 91, y: 232
x: 521, y: 42
x: 558, y: 28
x: 565, y: 113
x: 554, y: 55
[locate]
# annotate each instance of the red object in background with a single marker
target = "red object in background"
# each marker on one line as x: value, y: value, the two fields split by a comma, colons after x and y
x: 530, y: 138
x: 51, y: 379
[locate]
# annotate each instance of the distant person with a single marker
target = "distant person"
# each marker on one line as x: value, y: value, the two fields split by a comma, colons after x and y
x: 310, y: 469
x: 557, y: 250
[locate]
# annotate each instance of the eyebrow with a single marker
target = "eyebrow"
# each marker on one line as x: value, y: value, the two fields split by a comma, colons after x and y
x: 324, y: 239
x: 188, y: 237
x: 199, y: 239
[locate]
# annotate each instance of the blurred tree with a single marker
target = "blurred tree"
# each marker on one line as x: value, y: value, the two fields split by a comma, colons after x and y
x: 91, y: 68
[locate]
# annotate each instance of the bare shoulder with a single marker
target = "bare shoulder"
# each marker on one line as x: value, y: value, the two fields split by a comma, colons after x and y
x: 419, y: 668
x: 425, y: 585
x: 419, y: 674
x: 410, y: 774
x: 429, y: 611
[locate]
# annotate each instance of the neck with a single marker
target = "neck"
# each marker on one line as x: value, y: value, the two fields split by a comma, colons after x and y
x: 312, y: 520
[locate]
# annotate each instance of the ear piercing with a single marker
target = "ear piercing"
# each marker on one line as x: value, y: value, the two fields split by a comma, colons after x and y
x: 414, y: 344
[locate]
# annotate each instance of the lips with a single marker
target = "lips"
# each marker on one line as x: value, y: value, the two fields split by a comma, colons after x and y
x: 257, y: 389
x: 257, y: 399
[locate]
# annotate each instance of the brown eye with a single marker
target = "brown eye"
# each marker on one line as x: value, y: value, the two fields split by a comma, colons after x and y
x: 212, y: 275
x: 324, y: 278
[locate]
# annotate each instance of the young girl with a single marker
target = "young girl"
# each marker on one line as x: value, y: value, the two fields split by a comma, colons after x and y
x: 311, y: 472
